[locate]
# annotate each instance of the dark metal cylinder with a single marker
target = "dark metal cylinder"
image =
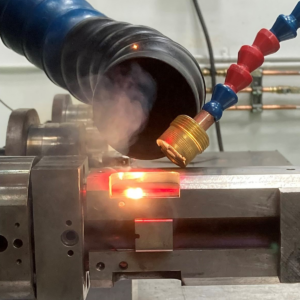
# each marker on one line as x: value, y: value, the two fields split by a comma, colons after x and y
x: 64, y: 111
x: 124, y: 71
x: 56, y: 139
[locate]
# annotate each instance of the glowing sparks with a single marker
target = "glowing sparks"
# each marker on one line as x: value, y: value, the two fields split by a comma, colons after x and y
x: 121, y: 204
x: 137, y: 175
x: 130, y: 175
x: 135, y: 46
x: 134, y: 193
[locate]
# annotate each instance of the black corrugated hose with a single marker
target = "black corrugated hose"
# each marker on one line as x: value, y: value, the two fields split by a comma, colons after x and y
x: 212, y: 66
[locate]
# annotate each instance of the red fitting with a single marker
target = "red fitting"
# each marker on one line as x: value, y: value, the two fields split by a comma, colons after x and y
x: 238, y: 77
x: 266, y: 42
x: 250, y: 58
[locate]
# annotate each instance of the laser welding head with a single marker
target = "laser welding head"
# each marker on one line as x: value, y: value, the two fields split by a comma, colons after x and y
x: 186, y: 137
x: 183, y: 140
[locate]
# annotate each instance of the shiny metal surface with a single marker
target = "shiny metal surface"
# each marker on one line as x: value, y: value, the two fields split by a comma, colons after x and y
x: 63, y: 110
x: 183, y: 140
x: 247, y: 290
x: 223, y: 159
x: 205, y: 193
x: 20, y: 121
x: 56, y: 139
x: 153, y: 235
x: 58, y: 205
x: 16, y: 257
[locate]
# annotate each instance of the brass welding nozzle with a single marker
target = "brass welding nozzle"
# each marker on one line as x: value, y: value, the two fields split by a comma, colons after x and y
x: 183, y: 140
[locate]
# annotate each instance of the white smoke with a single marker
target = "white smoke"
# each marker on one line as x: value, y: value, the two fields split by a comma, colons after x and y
x: 122, y: 104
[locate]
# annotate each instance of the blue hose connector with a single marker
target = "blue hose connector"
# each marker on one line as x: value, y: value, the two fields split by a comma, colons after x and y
x: 285, y: 27
x: 223, y: 97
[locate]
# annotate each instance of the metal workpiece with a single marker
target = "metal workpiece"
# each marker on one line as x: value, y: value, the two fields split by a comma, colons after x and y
x: 19, y: 123
x: 58, y: 189
x: 153, y: 235
x: 225, y: 193
x: 234, y: 159
x: 189, y: 266
x: 233, y: 217
x: 64, y: 111
x: 27, y: 137
x: 16, y: 243
x: 56, y: 139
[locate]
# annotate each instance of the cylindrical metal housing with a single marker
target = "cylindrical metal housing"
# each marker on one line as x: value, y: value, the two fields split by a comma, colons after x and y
x: 56, y: 139
x: 64, y: 111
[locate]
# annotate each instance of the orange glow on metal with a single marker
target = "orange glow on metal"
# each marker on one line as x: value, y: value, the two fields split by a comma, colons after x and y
x: 152, y: 220
x: 137, y: 185
x: 135, y: 46
x: 121, y: 204
x: 134, y: 193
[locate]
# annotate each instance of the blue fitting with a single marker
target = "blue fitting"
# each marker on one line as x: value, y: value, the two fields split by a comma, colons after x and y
x: 222, y: 98
x: 285, y: 27
x: 38, y: 28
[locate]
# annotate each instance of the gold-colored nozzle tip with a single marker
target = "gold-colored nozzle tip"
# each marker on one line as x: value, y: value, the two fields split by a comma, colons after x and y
x: 183, y: 140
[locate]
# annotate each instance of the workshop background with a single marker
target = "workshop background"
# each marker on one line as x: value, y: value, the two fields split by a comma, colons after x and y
x: 231, y: 24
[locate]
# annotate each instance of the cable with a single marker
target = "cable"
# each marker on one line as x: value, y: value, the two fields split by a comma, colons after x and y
x: 8, y: 107
x: 212, y: 66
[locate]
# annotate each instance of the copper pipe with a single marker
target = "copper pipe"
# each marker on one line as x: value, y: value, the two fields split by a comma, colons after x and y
x: 270, y: 89
x: 223, y: 72
x: 204, y: 119
x: 265, y: 107
x: 280, y: 73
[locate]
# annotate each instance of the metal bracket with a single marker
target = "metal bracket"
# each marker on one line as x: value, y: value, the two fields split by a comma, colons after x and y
x: 154, y: 235
x: 256, y: 94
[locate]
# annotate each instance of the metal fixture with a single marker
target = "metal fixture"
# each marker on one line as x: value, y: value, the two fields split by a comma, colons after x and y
x: 256, y: 95
x: 27, y: 137
x: 64, y: 111
x: 90, y: 241
x: 16, y: 244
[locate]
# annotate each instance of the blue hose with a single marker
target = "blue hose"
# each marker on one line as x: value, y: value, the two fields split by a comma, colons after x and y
x: 37, y: 28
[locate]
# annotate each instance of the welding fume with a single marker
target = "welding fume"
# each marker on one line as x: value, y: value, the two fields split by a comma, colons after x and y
x: 119, y: 187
